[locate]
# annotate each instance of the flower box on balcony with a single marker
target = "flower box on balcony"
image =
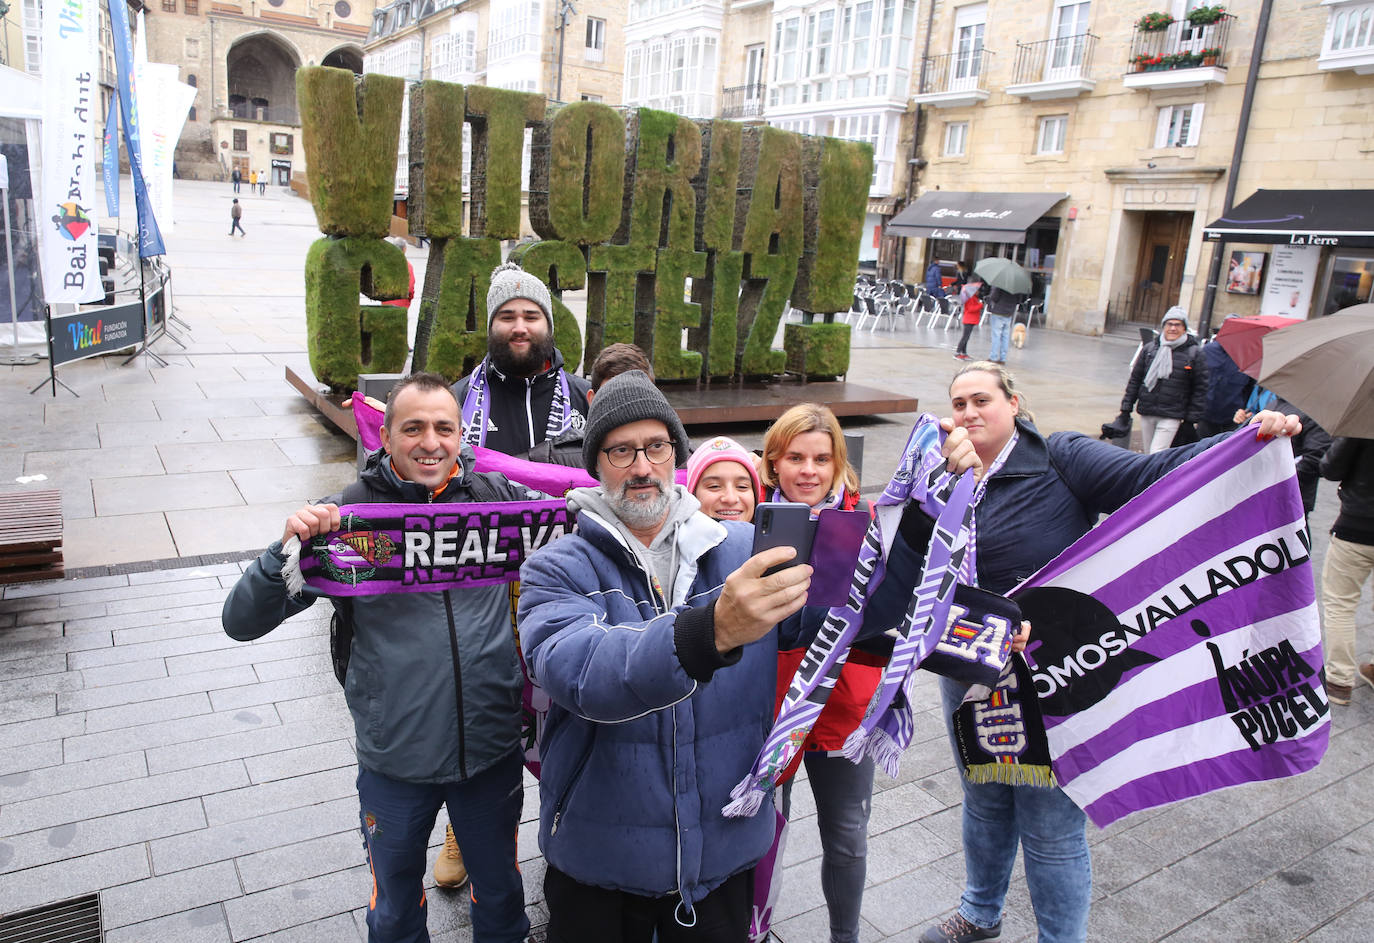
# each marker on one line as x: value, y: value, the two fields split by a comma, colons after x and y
x: 1154, y: 22
x: 1201, y: 16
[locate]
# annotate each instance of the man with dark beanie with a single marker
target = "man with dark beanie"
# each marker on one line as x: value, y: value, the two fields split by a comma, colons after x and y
x: 653, y: 631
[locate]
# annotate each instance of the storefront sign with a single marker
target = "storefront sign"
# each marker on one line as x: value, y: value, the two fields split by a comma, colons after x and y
x: 1289, y: 282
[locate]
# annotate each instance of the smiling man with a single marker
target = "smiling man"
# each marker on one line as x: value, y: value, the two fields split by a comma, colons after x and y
x: 520, y: 395
x: 652, y: 630
x: 433, y: 682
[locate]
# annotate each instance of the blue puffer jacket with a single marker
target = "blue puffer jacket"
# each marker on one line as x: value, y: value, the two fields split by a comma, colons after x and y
x: 639, y: 756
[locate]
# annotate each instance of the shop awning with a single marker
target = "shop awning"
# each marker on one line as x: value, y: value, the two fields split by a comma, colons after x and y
x: 972, y: 217
x: 1299, y: 218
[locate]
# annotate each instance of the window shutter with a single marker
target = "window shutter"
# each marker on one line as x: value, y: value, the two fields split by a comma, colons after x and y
x: 1195, y: 126
x: 1162, y: 126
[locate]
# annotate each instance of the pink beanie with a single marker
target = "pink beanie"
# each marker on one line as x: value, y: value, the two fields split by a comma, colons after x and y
x: 721, y: 449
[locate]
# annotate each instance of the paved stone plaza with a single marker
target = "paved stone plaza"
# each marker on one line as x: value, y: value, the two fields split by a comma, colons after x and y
x: 206, y: 788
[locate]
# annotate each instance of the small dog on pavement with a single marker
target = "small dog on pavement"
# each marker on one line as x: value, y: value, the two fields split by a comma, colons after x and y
x: 1018, y: 336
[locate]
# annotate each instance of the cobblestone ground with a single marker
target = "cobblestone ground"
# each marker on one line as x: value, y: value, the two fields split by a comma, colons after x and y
x: 205, y: 788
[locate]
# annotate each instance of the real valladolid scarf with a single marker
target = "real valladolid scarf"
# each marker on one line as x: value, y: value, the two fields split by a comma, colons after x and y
x: 419, y: 548
x: 887, y: 727
x: 477, y: 402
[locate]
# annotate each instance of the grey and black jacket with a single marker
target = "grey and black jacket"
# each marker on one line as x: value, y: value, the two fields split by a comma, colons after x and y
x: 434, y: 679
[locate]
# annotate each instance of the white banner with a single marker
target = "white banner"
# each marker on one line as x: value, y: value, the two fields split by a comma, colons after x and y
x: 163, y: 103
x: 71, y: 141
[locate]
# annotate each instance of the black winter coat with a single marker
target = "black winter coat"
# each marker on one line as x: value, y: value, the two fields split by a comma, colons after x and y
x: 1181, y: 395
x: 519, y: 413
x: 1351, y: 462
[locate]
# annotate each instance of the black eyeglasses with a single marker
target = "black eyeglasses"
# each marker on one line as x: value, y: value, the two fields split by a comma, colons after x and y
x: 623, y: 456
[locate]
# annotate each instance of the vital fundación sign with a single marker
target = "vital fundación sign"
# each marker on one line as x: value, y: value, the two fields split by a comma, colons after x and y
x: 628, y: 206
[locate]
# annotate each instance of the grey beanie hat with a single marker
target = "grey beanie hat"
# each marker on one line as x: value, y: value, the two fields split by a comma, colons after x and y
x: 624, y: 399
x: 1175, y: 313
x: 509, y: 280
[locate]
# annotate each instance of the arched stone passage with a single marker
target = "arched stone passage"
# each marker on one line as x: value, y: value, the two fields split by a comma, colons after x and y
x: 262, y: 79
x: 345, y: 57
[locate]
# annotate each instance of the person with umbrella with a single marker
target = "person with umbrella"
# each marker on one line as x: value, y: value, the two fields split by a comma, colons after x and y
x: 1011, y: 285
x: 1168, y: 384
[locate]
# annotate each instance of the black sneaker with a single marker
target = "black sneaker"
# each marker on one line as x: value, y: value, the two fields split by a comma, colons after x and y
x: 955, y: 929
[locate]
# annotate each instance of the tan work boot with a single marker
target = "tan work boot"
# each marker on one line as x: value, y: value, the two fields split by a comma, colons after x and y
x: 449, y: 870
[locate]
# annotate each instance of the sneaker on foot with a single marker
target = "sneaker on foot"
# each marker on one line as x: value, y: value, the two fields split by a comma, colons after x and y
x: 449, y: 870
x: 962, y: 357
x: 1338, y: 693
x: 955, y: 929
x: 1367, y: 673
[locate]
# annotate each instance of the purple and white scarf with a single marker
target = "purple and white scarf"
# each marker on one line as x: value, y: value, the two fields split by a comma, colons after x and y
x: 477, y: 404
x: 922, y: 476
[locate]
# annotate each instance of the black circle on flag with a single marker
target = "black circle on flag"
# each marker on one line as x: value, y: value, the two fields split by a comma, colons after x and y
x: 1076, y: 648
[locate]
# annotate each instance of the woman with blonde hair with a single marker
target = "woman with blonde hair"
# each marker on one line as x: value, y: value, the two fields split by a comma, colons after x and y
x: 805, y: 460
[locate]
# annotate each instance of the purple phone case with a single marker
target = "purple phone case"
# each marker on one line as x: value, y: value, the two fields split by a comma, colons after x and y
x: 835, y: 551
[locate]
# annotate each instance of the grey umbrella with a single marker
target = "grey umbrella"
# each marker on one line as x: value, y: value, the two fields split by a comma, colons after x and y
x: 1004, y: 274
x: 1325, y: 367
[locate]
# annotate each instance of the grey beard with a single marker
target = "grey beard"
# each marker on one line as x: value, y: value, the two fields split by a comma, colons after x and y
x: 637, y: 513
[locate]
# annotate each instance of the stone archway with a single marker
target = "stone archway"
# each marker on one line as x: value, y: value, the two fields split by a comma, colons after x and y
x: 345, y: 57
x: 262, y: 79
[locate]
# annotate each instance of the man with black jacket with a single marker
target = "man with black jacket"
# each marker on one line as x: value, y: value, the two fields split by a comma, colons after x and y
x: 520, y: 395
x: 1349, y: 561
x: 433, y: 682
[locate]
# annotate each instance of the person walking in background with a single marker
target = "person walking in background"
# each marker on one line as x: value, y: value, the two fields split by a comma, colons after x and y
x: 1001, y: 307
x: 1168, y: 384
x: 972, y: 311
x: 237, y: 178
x: 252, y: 181
x: 236, y: 218
x: 934, y: 282
x: 262, y: 182
x: 1349, y: 561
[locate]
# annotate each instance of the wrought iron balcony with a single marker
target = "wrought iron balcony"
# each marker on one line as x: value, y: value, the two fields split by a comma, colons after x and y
x: 955, y: 79
x: 1053, y: 68
x: 742, y: 101
x: 1180, y: 55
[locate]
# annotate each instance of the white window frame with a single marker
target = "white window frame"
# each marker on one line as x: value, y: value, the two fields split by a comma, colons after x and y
x: 1051, y: 132
x: 595, y: 50
x: 970, y: 29
x: 1171, y: 118
x: 956, y: 139
x: 754, y: 71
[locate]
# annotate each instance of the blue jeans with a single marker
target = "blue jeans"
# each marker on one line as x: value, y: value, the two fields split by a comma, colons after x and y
x: 1050, y: 827
x: 397, y: 818
x: 844, y: 801
x: 1001, y: 336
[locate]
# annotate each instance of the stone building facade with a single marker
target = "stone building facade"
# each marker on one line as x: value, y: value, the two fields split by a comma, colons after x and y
x: 1128, y: 133
x: 241, y: 56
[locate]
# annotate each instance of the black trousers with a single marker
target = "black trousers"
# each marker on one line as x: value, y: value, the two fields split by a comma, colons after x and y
x: 963, y: 341
x: 581, y: 913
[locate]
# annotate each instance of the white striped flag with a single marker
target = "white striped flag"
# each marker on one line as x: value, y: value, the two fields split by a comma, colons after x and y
x: 1176, y: 648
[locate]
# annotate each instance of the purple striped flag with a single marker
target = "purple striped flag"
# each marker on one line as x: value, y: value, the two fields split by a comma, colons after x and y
x: 1179, y: 648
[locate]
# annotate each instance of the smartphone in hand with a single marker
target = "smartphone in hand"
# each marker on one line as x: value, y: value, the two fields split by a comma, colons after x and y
x: 784, y: 524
